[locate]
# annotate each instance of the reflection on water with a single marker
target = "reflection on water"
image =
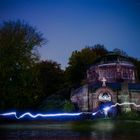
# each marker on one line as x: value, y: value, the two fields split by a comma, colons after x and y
x: 85, y: 130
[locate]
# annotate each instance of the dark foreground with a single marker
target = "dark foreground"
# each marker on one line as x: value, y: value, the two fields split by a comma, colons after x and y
x: 71, y: 130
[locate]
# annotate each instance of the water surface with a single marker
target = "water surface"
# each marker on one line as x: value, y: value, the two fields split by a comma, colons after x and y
x: 71, y: 130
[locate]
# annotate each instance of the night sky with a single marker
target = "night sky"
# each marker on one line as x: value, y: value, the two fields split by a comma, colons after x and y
x: 71, y: 25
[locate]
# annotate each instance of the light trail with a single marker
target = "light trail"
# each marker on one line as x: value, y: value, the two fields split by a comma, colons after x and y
x: 105, y: 110
x: 39, y: 115
x: 125, y: 103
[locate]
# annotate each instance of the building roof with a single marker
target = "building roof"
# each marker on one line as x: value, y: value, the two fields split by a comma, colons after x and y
x: 112, y: 58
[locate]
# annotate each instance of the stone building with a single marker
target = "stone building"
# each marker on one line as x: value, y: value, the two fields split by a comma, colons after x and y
x: 111, y: 78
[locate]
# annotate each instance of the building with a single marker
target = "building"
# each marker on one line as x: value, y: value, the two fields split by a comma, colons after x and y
x: 111, y: 78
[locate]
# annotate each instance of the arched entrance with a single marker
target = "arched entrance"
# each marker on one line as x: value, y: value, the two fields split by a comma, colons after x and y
x: 104, y: 97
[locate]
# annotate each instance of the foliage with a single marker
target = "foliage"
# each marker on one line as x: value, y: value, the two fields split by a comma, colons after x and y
x: 56, y: 103
x: 132, y: 115
x: 120, y: 52
x: 68, y: 106
x: 80, y: 61
x: 18, y: 54
x: 53, y: 103
x: 51, y: 77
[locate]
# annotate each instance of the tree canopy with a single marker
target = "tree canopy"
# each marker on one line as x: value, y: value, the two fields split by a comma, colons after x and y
x: 18, y: 54
x: 80, y: 61
x: 50, y: 76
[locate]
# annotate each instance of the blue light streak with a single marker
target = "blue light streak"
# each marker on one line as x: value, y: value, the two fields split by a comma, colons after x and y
x: 105, y: 110
x: 39, y: 115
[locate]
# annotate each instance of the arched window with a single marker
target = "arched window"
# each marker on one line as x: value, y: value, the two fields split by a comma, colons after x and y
x: 105, y: 96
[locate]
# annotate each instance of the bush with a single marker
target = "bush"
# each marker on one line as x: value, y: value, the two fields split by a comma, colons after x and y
x: 68, y: 106
x: 53, y: 103
x: 56, y: 103
x: 132, y: 115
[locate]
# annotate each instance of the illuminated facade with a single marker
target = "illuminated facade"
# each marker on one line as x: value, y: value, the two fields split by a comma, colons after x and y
x: 114, y: 68
x: 112, y: 78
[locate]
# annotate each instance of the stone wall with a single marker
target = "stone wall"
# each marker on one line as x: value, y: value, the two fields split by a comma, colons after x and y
x: 94, y: 103
x: 113, y: 72
x: 89, y: 100
x: 80, y: 96
x: 135, y: 97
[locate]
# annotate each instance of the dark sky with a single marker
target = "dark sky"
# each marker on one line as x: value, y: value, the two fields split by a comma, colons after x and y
x: 73, y: 24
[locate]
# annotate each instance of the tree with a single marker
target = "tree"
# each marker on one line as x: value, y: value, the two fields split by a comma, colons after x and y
x: 80, y: 61
x: 99, y: 50
x: 55, y: 88
x: 18, y: 55
x: 120, y: 52
x: 51, y: 77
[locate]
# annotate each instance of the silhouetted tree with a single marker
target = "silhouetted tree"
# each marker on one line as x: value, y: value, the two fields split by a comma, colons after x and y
x: 80, y: 61
x: 18, y: 54
x: 120, y: 52
x: 51, y: 77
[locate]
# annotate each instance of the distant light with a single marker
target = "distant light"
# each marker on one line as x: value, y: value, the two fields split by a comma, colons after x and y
x: 94, y: 113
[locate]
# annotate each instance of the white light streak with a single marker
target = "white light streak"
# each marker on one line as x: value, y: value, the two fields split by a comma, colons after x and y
x: 106, y: 109
x: 39, y: 115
